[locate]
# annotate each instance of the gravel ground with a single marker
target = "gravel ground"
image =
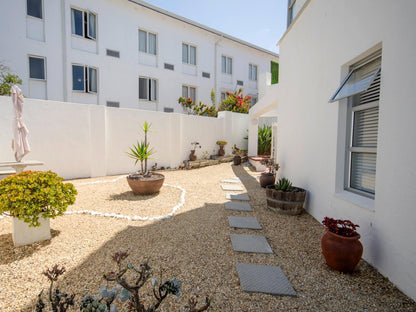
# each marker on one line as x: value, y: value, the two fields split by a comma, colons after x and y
x: 193, y: 246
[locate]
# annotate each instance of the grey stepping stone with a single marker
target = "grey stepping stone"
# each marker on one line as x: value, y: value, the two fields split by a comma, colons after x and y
x: 264, y: 279
x: 238, y: 206
x: 243, y: 196
x: 231, y: 187
x: 231, y: 181
x: 244, y: 223
x: 250, y: 243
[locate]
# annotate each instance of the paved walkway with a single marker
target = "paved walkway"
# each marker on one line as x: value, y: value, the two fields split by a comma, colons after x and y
x: 253, y: 278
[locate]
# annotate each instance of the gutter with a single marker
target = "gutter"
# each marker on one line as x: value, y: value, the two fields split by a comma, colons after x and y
x: 200, y: 26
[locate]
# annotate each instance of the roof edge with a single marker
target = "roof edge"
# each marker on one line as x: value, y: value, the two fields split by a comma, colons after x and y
x: 200, y: 26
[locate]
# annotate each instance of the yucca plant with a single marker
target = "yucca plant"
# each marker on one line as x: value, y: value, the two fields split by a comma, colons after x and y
x: 283, y: 185
x: 264, y: 142
x: 141, y: 151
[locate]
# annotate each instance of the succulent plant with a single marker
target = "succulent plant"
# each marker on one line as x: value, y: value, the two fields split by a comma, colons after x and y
x: 283, y: 185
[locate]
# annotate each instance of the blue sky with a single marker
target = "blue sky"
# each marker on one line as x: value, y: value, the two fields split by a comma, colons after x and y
x: 260, y: 22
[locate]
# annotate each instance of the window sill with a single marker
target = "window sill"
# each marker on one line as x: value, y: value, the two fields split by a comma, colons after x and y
x: 147, y: 53
x: 359, y: 200
x: 83, y: 37
x: 37, y: 79
x: 83, y: 92
x: 35, y: 18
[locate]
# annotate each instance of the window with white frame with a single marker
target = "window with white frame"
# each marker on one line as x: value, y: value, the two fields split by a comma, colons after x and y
x: 37, y: 68
x: 361, y: 88
x: 147, y: 89
x: 84, y: 78
x: 291, y: 11
x: 189, y: 92
x: 34, y: 8
x: 252, y: 72
x: 147, y: 42
x: 226, y: 65
x: 84, y: 23
x: 188, y: 54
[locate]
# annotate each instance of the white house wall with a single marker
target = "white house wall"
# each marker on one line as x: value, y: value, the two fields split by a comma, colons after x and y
x: 118, y: 22
x: 315, y: 55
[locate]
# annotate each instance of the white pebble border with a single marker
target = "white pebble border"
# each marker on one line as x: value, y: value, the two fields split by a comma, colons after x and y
x: 119, y: 216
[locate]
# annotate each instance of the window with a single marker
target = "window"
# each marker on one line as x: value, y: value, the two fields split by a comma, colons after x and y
x: 291, y: 12
x: 188, y: 54
x: 147, y: 42
x: 361, y: 88
x: 252, y: 72
x: 226, y: 65
x: 147, y: 89
x: 84, y: 23
x: 84, y: 79
x: 190, y: 92
x: 37, y: 68
x: 34, y: 8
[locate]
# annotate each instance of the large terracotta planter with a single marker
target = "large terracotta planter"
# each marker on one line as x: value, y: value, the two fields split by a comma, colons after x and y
x: 266, y: 179
x: 23, y: 234
x: 192, y: 156
x: 145, y: 185
x: 341, y: 253
x: 289, y: 203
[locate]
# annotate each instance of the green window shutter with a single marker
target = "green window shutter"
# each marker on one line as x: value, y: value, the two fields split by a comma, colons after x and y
x: 274, y: 68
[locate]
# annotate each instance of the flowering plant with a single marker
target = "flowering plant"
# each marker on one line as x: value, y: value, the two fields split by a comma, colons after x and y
x: 195, y: 145
x: 221, y: 143
x: 341, y: 227
x: 271, y: 166
x: 200, y: 109
x: 236, y: 102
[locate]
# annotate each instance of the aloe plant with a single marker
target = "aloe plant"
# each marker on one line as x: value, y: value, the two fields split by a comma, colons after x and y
x: 264, y: 140
x: 283, y: 185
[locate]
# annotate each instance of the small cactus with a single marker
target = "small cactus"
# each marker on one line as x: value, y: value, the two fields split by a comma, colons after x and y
x: 283, y: 185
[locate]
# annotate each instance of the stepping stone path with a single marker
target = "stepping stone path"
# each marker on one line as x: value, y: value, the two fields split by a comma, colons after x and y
x: 239, y: 206
x: 253, y: 278
x: 250, y: 243
x: 227, y: 187
x: 264, y: 278
x: 244, y: 223
x: 243, y: 196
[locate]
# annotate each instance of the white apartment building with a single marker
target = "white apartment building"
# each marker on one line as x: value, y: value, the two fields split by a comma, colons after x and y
x: 123, y: 53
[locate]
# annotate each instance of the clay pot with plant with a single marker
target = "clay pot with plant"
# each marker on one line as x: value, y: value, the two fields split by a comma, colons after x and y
x: 192, y: 156
x: 221, y: 144
x: 237, y: 155
x: 269, y: 176
x: 284, y: 198
x: 340, y: 245
x: 144, y: 182
x: 32, y: 198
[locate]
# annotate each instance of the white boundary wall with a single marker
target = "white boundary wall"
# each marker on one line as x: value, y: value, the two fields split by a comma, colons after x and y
x: 77, y: 140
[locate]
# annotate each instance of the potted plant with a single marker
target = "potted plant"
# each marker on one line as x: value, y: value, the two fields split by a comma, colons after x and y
x: 195, y: 145
x: 341, y: 246
x: 237, y: 155
x: 144, y: 182
x: 221, y: 144
x: 284, y: 198
x: 32, y: 198
x: 269, y: 176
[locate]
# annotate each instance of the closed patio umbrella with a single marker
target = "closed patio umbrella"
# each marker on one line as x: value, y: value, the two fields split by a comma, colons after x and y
x: 20, y: 143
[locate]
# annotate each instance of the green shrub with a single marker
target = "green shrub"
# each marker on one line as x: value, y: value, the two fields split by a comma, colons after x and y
x: 6, y: 82
x: 236, y: 102
x: 29, y: 195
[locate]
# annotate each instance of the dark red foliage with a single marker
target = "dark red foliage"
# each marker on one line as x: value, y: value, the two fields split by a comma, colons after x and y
x: 120, y: 256
x: 341, y: 227
x: 54, y: 273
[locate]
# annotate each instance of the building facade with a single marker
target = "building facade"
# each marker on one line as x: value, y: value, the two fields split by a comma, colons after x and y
x: 345, y: 132
x: 123, y: 53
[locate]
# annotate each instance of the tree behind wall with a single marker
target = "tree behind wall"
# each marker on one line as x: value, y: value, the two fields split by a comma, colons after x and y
x: 7, y: 80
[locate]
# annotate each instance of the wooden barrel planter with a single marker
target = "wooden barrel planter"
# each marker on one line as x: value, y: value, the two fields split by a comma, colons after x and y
x: 289, y: 203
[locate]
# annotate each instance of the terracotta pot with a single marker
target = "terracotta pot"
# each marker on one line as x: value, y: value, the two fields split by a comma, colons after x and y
x: 267, y: 178
x: 237, y: 160
x: 145, y: 185
x: 341, y: 253
x: 221, y: 151
x: 192, y: 156
x: 289, y: 203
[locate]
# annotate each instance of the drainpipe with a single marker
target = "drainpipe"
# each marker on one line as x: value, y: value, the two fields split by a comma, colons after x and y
x: 215, y: 70
x: 64, y: 53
